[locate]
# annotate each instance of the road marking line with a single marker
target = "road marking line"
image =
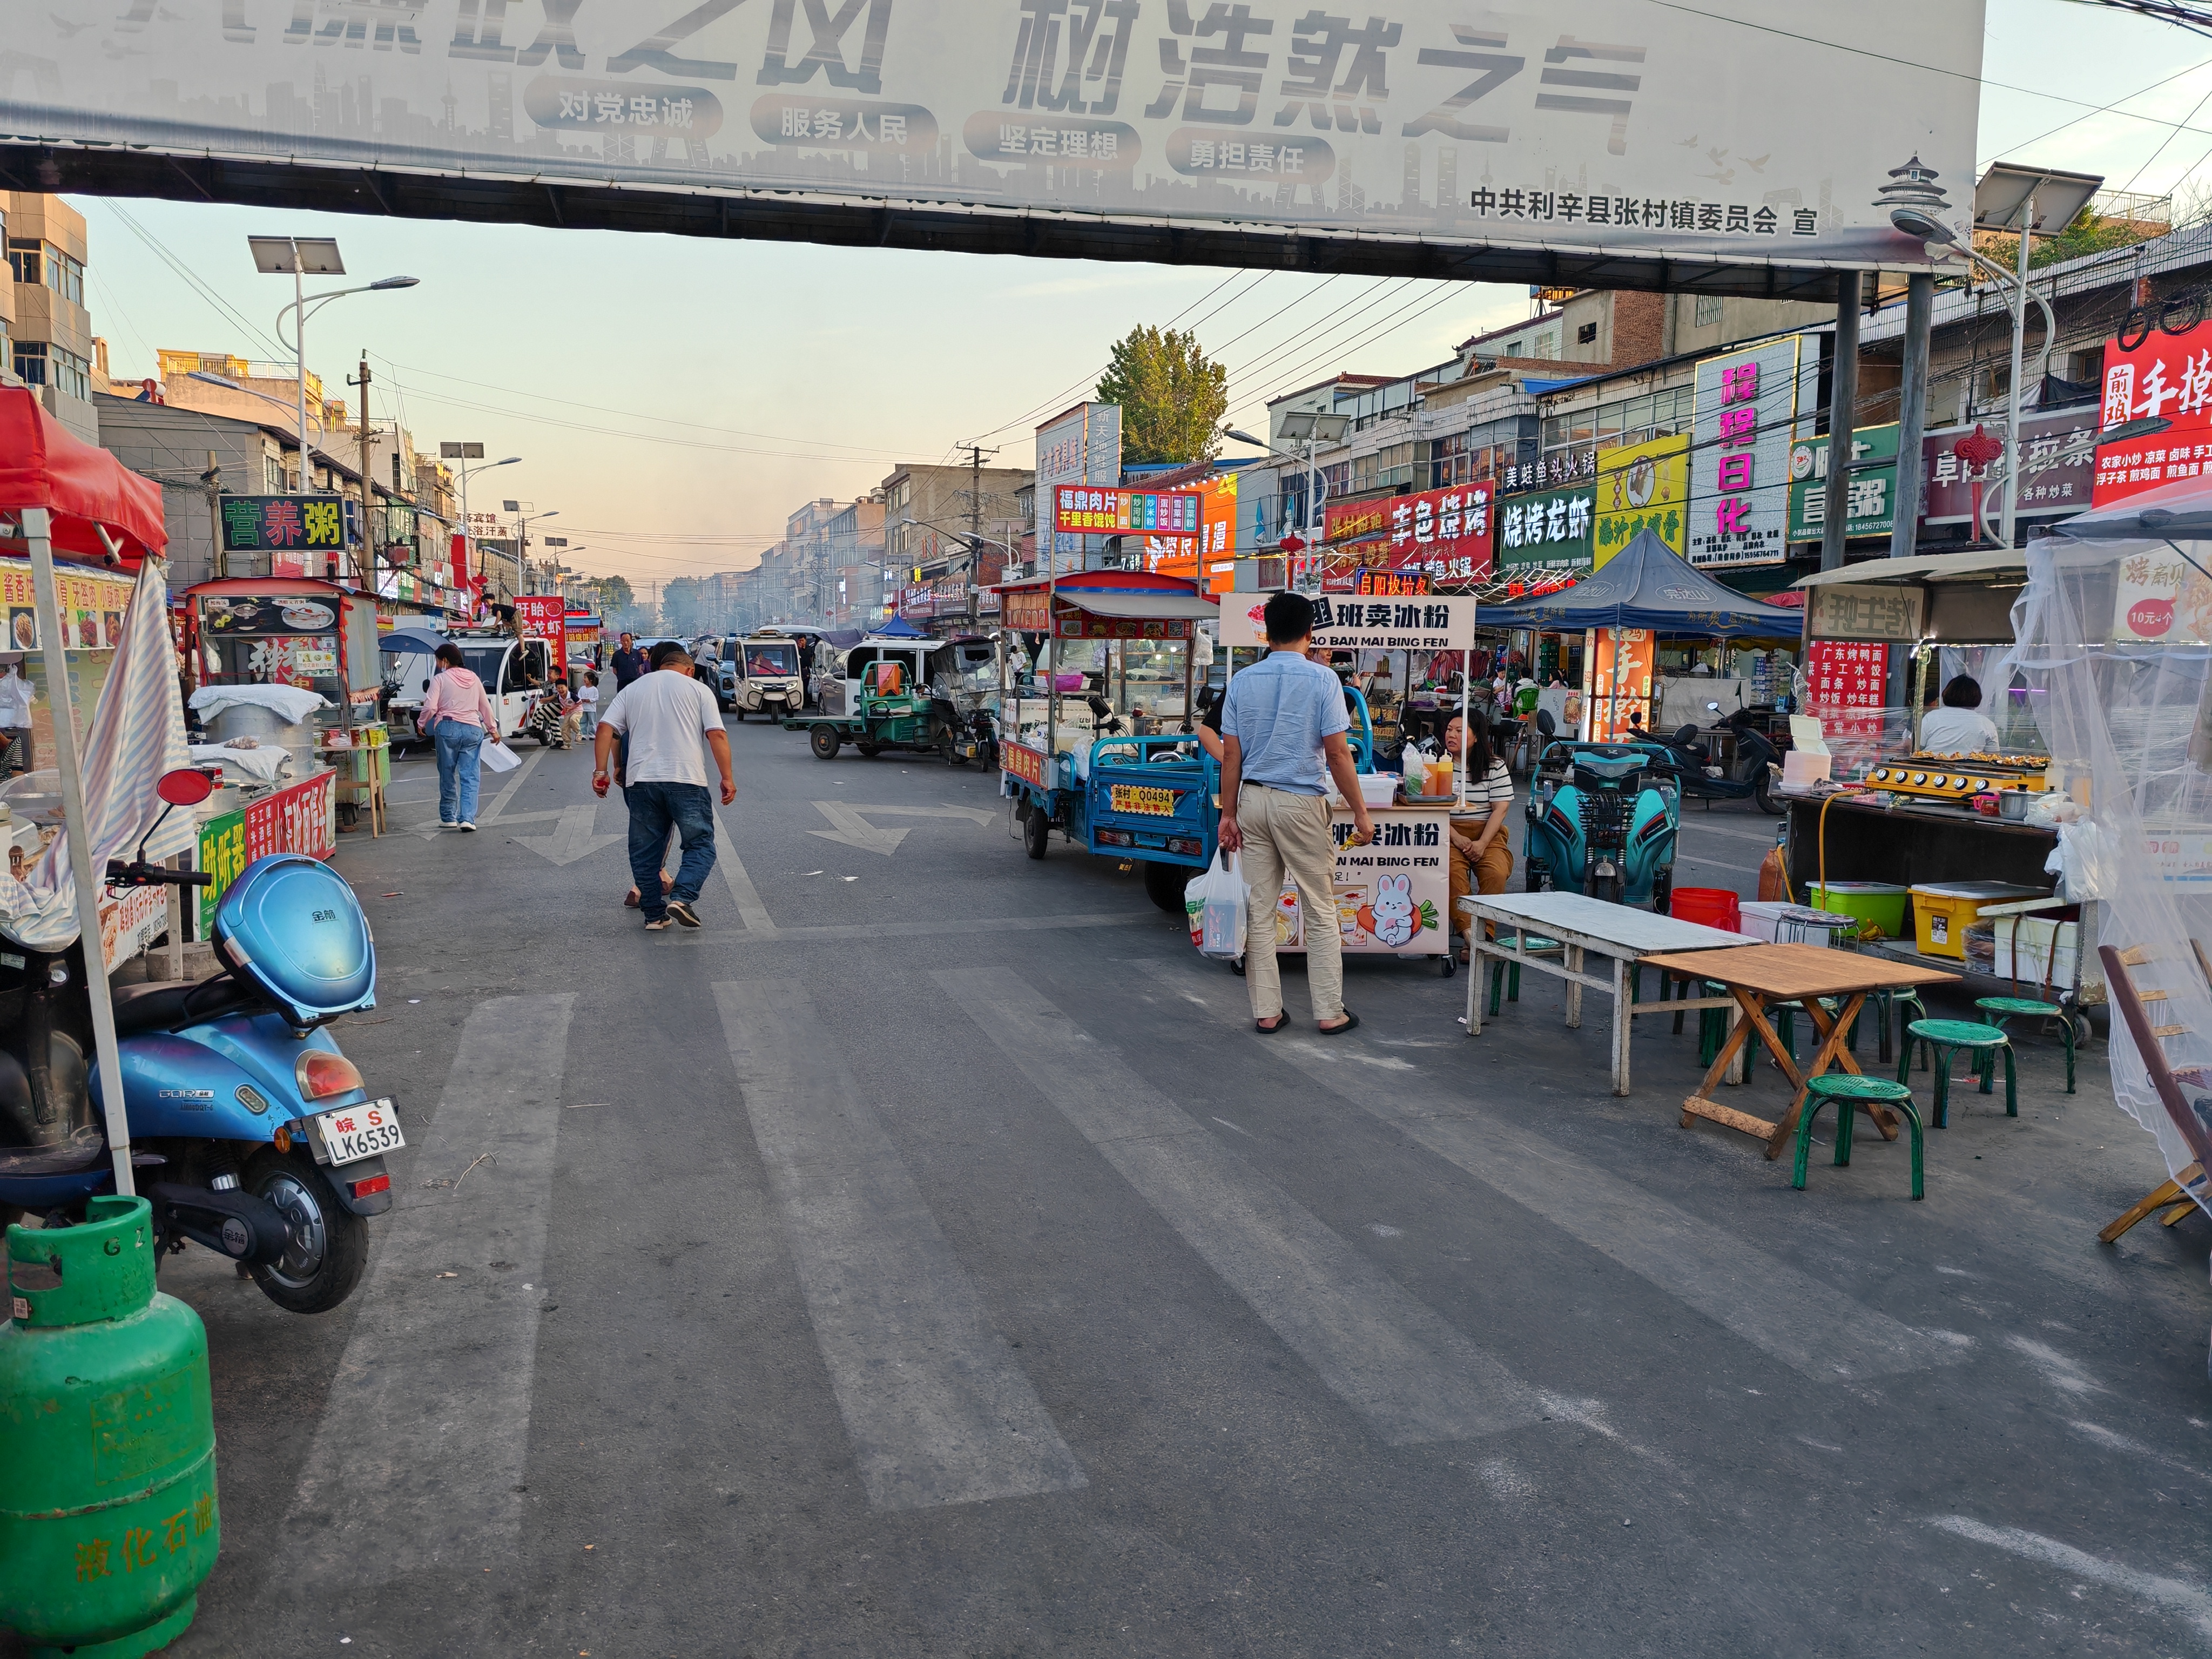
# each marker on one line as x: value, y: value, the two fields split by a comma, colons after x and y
x: 1806, y: 1324
x: 499, y: 801
x: 2187, y: 1600
x: 751, y: 913
x: 1404, y: 1369
x: 415, y: 1468
x: 936, y: 1407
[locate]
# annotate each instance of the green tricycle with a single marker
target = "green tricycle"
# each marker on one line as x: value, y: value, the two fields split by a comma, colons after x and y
x: 884, y: 712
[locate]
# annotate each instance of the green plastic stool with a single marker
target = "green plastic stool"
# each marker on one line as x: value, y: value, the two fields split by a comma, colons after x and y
x: 1889, y: 1003
x: 1946, y: 1037
x: 1500, y: 969
x: 2000, y: 1009
x: 1851, y: 1094
x: 1785, y: 1026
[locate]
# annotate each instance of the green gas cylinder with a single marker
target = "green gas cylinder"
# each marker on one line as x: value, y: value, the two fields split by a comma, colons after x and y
x: 108, y: 1509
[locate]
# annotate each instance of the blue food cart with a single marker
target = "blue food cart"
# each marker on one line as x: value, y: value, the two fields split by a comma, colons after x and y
x: 1070, y: 757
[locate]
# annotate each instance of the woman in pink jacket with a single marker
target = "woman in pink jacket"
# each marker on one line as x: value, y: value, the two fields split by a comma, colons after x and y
x: 457, y: 718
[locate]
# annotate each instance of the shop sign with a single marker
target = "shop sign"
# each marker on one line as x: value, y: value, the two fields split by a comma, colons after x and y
x: 1554, y: 527
x: 2057, y: 475
x: 1864, y: 610
x: 1872, y: 499
x: 1390, y: 584
x: 1073, y: 624
x: 1351, y: 624
x: 222, y: 856
x: 1086, y: 510
x: 2163, y: 376
x: 1082, y: 447
x: 1640, y: 487
x: 300, y: 819
x: 1027, y: 609
x: 1022, y: 762
x: 1620, y: 692
x: 279, y: 523
x: 1445, y: 534
x: 2162, y: 598
x: 1392, y: 895
x: 301, y: 613
x: 91, y: 607
x: 545, y: 616
x: 130, y: 921
x: 1845, y: 684
x: 1743, y: 425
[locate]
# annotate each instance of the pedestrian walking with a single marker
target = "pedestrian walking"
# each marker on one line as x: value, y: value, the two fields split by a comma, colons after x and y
x: 661, y: 718
x: 15, y: 754
x: 587, y: 702
x: 629, y: 663
x: 458, y: 717
x: 1283, y: 723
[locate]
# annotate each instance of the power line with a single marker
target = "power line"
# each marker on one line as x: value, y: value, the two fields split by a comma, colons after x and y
x: 192, y: 278
x: 2105, y: 110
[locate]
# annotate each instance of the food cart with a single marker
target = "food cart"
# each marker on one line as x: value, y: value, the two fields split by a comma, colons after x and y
x: 1911, y: 819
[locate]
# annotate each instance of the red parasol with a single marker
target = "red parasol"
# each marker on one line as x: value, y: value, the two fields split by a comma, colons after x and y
x: 82, y: 485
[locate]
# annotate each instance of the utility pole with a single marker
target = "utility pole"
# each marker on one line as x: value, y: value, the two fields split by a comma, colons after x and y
x: 975, y: 516
x: 218, y: 561
x: 365, y: 536
x: 1843, y: 397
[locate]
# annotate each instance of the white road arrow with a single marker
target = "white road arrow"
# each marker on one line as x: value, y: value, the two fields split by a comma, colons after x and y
x: 854, y: 830
x: 572, y: 838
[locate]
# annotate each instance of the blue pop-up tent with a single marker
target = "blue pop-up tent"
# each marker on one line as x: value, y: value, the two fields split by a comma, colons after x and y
x: 898, y: 628
x: 1648, y: 585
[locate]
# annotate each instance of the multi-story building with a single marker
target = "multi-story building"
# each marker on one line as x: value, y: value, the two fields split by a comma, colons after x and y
x: 857, y: 567
x: 930, y: 513
x: 47, y: 330
x: 267, y: 394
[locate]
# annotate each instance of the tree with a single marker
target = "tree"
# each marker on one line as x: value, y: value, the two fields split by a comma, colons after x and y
x: 1172, y: 398
x: 614, y: 592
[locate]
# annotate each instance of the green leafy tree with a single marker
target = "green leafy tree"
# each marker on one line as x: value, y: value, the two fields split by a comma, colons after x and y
x: 2090, y: 233
x: 614, y: 592
x: 1172, y: 398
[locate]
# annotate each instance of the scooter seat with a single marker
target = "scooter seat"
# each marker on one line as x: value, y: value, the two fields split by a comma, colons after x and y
x: 163, y: 1008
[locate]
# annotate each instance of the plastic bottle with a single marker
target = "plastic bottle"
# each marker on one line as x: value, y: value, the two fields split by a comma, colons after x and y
x: 1440, y: 777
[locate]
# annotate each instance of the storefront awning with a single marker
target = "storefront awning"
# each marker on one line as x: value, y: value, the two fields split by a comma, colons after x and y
x: 1935, y: 567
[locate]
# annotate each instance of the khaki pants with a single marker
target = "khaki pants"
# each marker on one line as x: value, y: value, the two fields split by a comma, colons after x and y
x: 1287, y: 834
x: 1487, y: 874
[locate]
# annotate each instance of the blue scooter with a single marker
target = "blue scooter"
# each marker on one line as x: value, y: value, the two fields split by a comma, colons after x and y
x: 260, y: 1138
x: 1602, y: 821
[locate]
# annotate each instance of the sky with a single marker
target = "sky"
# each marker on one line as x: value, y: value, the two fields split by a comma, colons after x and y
x: 673, y: 399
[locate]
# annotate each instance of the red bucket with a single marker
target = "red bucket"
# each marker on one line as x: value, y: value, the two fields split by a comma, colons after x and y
x: 1708, y: 907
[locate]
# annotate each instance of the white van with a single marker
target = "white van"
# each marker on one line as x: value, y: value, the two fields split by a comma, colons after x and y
x: 504, y: 664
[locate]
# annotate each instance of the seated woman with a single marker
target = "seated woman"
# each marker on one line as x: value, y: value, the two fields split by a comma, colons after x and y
x: 1481, y: 856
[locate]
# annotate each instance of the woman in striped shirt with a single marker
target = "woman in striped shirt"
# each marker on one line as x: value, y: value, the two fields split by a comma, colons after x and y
x: 1481, y: 856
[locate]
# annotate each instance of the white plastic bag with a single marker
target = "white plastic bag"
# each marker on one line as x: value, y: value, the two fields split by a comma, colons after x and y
x: 1218, y: 903
x: 498, y: 757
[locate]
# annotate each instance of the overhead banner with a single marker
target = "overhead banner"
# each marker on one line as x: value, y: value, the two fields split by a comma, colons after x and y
x: 1442, y: 534
x: 1608, y: 127
x: 1355, y: 624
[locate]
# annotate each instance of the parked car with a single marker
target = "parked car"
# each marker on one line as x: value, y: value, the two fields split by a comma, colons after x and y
x: 714, y: 659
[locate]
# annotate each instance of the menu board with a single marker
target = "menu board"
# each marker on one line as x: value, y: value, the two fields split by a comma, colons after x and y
x: 1390, y: 898
x: 91, y: 606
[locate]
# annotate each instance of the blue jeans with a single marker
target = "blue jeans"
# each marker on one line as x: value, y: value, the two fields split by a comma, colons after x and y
x: 458, y: 742
x: 654, y: 809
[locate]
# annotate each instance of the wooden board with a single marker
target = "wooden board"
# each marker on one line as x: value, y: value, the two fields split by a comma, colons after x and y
x: 1785, y: 973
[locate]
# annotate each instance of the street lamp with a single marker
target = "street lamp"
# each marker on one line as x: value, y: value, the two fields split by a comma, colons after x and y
x: 1316, y: 429
x: 522, y: 539
x: 302, y: 257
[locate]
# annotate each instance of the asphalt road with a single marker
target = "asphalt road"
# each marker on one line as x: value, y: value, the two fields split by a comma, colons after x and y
x: 926, y: 1258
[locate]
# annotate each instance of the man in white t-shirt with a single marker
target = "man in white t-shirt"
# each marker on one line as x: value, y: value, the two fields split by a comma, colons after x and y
x: 661, y: 717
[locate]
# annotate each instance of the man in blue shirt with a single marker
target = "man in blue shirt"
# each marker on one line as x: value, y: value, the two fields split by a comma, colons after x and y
x: 1283, y: 720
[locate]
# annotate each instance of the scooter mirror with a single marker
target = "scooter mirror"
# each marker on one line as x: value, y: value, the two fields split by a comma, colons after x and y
x: 1712, y: 709
x: 184, y: 788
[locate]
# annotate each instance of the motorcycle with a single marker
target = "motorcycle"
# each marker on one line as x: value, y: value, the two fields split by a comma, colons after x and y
x: 261, y: 1138
x: 1601, y: 820
x: 1700, y: 780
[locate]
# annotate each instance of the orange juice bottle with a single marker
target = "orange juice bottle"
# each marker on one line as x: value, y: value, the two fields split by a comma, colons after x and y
x: 1440, y: 777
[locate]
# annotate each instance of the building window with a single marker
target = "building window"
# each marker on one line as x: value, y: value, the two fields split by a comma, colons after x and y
x: 31, y: 362
x: 65, y: 276
x: 1546, y: 346
x: 1708, y: 312
x: 72, y: 373
x: 23, y: 258
x: 1586, y: 335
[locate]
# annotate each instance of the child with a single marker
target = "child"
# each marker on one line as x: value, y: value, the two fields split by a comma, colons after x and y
x: 587, y: 702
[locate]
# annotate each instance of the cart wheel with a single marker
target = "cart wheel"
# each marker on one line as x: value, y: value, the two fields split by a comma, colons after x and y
x: 952, y: 755
x: 870, y: 750
x: 1451, y: 964
x: 826, y: 741
x: 1762, y: 791
x: 1164, y: 885
x: 1237, y: 966
x: 1036, y: 830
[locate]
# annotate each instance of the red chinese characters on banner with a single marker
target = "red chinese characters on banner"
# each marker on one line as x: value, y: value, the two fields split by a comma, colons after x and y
x: 544, y: 617
x: 1841, y: 677
x: 1444, y: 534
x: 296, y: 820
x: 2168, y: 377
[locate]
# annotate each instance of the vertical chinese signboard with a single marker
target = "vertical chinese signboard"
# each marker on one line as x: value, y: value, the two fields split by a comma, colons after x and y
x: 2166, y: 377
x: 1843, y: 676
x: 1621, y: 661
x: 544, y: 617
x: 1744, y: 421
x: 1082, y: 447
x: 1642, y: 486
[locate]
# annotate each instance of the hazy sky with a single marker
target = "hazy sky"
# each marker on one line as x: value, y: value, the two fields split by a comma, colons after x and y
x: 675, y: 399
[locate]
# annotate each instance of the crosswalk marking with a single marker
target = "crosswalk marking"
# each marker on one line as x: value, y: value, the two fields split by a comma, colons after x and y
x: 1407, y: 1372
x: 936, y: 1408
x: 1807, y: 1325
x: 410, y: 1472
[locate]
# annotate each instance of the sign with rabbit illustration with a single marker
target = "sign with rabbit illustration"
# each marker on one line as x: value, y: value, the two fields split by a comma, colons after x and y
x: 1393, y: 896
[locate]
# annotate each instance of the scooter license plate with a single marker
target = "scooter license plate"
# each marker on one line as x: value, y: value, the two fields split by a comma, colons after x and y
x: 353, y: 1132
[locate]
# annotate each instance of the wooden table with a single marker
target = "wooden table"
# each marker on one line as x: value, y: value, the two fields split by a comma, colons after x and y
x: 1582, y: 925
x: 1757, y: 975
